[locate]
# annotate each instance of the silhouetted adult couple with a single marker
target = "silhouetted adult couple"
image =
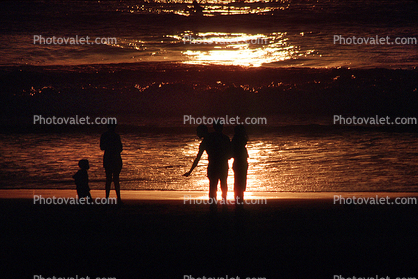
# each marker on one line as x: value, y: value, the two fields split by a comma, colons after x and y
x: 220, y: 149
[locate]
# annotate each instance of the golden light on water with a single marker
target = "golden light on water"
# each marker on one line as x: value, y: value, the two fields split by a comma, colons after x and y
x: 210, y: 8
x: 238, y: 49
x: 241, y: 57
x: 217, y: 48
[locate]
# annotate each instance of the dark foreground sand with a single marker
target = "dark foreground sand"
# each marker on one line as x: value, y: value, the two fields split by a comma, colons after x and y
x: 285, y: 238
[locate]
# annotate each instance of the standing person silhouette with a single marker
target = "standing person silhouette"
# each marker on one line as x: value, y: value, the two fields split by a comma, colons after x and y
x: 240, y: 165
x: 112, y: 161
x: 197, y: 10
x: 218, y: 148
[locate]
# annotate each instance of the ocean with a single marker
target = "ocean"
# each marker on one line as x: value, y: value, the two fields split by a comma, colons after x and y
x: 271, y: 59
x: 285, y: 33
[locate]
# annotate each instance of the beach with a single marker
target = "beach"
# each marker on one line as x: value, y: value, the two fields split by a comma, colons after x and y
x: 291, y: 236
x: 327, y: 91
x: 300, y: 160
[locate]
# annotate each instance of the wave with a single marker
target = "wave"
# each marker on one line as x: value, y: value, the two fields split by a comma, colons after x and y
x: 299, y: 33
x: 166, y: 90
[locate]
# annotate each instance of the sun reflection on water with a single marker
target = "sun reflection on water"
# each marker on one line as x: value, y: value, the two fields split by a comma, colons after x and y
x: 210, y: 8
x: 218, y: 48
x: 238, y: 49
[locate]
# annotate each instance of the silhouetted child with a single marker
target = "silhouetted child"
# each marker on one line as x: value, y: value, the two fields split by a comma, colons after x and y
x: 82, y: 180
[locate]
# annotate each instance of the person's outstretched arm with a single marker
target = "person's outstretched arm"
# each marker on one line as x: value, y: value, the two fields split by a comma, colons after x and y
x: 196, y: 160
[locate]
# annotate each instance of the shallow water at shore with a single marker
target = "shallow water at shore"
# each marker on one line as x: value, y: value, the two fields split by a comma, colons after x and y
x: 350, y: 161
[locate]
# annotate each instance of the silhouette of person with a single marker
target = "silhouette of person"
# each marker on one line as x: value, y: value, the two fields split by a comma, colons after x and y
x: 218, y: 148
x: 240, y: 165
x: 112, y: 161
x: 81, y: 179
x: 197, y: 10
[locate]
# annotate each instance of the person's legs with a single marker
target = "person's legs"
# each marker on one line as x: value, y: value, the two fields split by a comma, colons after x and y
x: 242, y: 195
x: 117, y: 185
x: 224, y: 186
x: 108, y: 182
x: 239, y: 197
x: 236, y: 184
x: 88, y: 197
x: 213, y: 185
x: 223, y: 177
x: 240, y: 181
x: 243, y: 183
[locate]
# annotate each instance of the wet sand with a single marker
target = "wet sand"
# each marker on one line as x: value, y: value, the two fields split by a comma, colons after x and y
x: 155, y: 235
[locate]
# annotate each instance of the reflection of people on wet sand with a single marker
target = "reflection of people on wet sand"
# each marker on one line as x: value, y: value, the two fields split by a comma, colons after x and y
x: 112, y: 161
x: 217, y: 146
x: 82, y: 180
x: 240, y: 165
